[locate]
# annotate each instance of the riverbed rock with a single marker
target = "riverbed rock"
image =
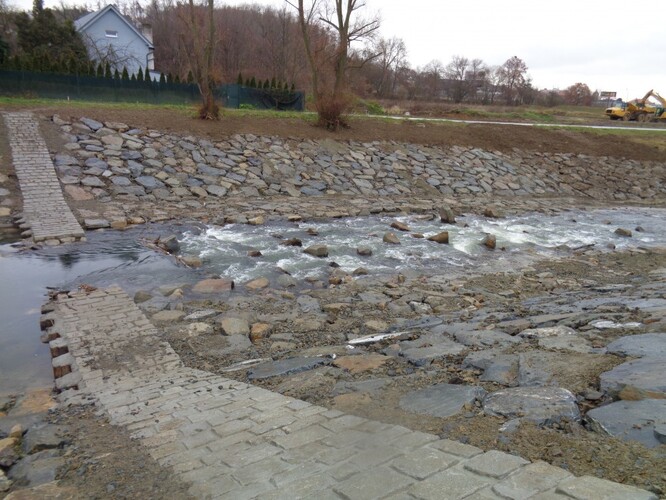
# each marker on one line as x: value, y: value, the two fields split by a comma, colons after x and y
x: 539, y: 405
x: 631, y: 420
x: 391, y: 238
x: 44, y: 437
x: 285, y: 367
x: 442, y: 238
x: 8, y: 453
x: 360, y: 363
x: 214, y: 285
x: 39, y: 468
x: 489, y: 241
x: 626, y: 233
x: 364, y: 251
x: 167, y: 317
x: 400, y: 226
x: 446, y: 215
x: 317, y: 251
x: 644, y: 345
x: 638, y: 379
x: 234, y: 326
x: 169, y: 244
x: 260, y: 331
x: 257, y: 284
x: 441, y: 400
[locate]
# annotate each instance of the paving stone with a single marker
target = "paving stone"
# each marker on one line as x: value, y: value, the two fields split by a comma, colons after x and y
x: 374, y: 483
x: 494, y: 464
x: 424, y: 462
x: 540, y: 405
x: 442, y: 400
x: 593, y: 488
x: 527, y: 481
x: 631, y: 420
x: 452, y: 484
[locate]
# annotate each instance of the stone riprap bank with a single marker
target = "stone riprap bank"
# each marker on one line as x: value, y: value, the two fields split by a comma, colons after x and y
x: 110, y: 160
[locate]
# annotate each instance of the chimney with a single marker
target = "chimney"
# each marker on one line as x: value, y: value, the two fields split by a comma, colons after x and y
x: 147, y: 31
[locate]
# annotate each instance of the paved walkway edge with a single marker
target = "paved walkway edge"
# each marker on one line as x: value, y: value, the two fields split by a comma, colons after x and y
x: 44, y: 207
x: 233, y: 440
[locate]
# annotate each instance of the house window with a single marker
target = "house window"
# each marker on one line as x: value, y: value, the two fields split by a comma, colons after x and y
x: 111, y: 34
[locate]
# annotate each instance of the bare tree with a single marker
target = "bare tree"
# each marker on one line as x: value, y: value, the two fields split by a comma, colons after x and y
x: 342, y: 18
x: 391, y: 54
x: 512, y: 77
x: 456, y: 72
x: 201, y: 56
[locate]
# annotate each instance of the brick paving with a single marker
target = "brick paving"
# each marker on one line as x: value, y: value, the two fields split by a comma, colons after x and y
x: 44, y: 208
x: 233, y: 440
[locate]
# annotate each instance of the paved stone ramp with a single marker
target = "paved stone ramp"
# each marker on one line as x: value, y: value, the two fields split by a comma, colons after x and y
x: 233, y: 440
x: 44, y: 206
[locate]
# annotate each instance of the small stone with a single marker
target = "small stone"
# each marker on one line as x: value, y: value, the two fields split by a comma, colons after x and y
x: 260, y: 331
x: 213, y: 286
x: 96, y: 223
x: 623, y: 232
x: 292, y: 242
x: 234, y: 326
x: 256, y: 221
x: 16, y: 431
x: 167, y: 316
x: 257, y: 284
x: 442, y: 238
x: 364, y: 251
x: 317, y: 250
x: 391, y: 238
x: 8, y: 454
x: 191, y: 261
x: 142, y: 296
x: 446, y: 215
x: 254, y: 253
x: 489, y: 241
x: 400, y: 226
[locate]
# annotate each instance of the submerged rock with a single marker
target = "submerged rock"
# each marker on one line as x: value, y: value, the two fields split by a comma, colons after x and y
x: 442, y: 238
x: 391, y: 238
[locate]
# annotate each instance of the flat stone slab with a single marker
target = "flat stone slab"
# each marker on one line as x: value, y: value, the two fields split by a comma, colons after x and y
x: 645, y: 345
x: 441, y: 400
x: 631, y: 420
x: 429, y: 347
x: 285, y: 367
x: 644, y: 376
x: 541, y: 405
x: 485, y: 338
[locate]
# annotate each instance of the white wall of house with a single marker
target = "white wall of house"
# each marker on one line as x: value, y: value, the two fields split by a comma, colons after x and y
x: 111, y: 38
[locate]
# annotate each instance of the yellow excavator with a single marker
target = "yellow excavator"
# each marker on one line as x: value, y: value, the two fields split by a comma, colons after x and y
x: 638, y: 109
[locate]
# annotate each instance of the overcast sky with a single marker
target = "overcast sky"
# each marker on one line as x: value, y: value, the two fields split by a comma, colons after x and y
x: 612, y: 45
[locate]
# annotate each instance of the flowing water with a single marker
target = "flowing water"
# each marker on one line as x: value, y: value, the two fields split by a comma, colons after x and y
x: 111, y: 257
x: 523, y: 239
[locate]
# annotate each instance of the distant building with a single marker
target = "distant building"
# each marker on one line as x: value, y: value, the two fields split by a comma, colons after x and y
x: 111, y: 37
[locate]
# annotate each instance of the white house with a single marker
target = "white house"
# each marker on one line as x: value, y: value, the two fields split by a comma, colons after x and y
x: 111, y: 37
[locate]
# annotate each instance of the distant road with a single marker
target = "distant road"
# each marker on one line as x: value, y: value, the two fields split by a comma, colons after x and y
x: 522, y: 124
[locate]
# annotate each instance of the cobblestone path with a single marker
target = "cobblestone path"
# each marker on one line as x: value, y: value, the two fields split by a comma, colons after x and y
x: 233, y: 440
x: 44, y: 207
